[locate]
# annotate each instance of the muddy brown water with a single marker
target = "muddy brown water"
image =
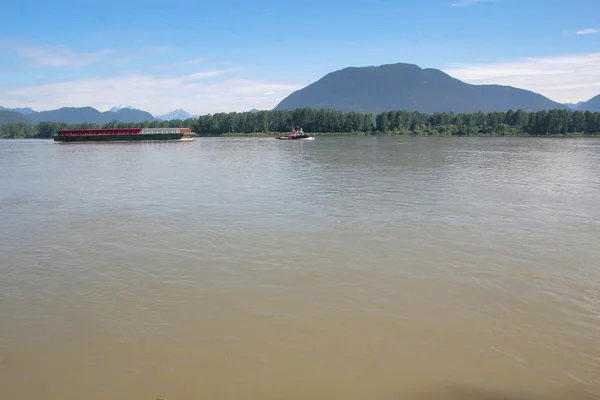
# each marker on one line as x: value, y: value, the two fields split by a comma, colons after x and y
x: 341, y: 268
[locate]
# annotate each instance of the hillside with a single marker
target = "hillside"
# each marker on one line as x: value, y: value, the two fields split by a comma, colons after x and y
x: 408, y: 87
x: 128, y: 115
x: 574, y: 106
x: 76, y: 115
x: 592, y: 104
x: 70, y: 115
x: 79, y: 115
x: 13, y: 117
x: 25, y: 111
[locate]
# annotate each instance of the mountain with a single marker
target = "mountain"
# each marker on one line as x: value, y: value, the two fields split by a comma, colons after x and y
x: 79, y: 115
x: 13, y: 117
x: 408, y: 87
x: 176, y: 114
x: 574, y: 106
x: 70, y: 115
x: 25, y: 111
x: 592, y: 104
x: 120, y: 107
x: 130, y: 115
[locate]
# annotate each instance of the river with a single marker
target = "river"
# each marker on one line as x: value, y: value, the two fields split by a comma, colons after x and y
x: 347, y: 268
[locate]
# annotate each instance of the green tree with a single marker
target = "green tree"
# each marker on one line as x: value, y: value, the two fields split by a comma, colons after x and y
x: 381, y: 122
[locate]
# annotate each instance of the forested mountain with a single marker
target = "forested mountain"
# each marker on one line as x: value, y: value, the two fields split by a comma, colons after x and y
x: 70, y: 115
x: 76, y: 115
x: 25, y: 111
x: 12, y: 117
x: 574, y: 106
x: 408, y: 87
x: 128, y: 115
x: 592, y: 104
x: 79, y: 115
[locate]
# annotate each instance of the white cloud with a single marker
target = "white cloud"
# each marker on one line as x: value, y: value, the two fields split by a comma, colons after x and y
x: 466, y: 3
x: 199, y: 93
x: 196, y: 60
x: 157, y: 49
x: 208, y: 74
x: 186, y: 63
x: 60, y: 56
x: 588, y: 31
x: 567, y: 78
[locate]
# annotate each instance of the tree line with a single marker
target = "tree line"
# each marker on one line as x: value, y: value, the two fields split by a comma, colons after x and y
x: 551, y: 122
x: 518, y: 122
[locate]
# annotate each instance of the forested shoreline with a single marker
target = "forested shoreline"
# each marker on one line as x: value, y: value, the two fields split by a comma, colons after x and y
x: 510, y: 123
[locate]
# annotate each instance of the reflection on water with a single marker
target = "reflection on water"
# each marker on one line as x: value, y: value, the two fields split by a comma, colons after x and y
x: 354, y: 268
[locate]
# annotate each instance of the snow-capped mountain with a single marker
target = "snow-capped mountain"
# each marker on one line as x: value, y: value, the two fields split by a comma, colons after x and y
x: 120, y: 107
x: 176, y: 114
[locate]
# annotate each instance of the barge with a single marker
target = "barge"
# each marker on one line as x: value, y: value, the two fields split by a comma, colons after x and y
x: 123, y: 135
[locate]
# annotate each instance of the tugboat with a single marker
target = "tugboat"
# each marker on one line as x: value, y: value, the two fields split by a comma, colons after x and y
x: 295, y: 135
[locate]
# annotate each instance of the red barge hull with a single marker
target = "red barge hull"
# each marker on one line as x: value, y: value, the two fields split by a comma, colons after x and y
x: 123, y: 135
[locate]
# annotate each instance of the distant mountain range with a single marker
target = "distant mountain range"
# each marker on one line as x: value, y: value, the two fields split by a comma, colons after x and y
x: 25, y: 111
x: 76, y: 115
x: 362, y: 89
x: 176, y: 114
x: 79, y: 115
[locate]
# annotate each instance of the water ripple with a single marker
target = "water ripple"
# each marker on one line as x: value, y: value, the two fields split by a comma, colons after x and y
x: 338, y: 268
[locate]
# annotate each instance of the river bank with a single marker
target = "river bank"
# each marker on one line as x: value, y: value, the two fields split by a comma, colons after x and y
x: 391, y: 134
x: 381, y: 134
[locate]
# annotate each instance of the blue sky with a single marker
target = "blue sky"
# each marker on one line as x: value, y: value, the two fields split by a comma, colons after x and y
x: 237, y: 55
